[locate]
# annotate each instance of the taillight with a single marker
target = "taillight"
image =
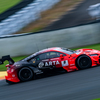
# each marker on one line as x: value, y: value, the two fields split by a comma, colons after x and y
x: 8, y: 66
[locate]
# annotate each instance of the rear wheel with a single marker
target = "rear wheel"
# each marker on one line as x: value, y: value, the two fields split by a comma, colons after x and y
x: 25, y: 74
x: 84, y: 62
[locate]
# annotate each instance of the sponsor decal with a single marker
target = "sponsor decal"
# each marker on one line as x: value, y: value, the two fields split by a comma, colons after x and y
x: 34, y: 61
x: 54, y: 58
x: 45, y: 60
x: 57, y: 62
x: 50, y: 63
x: 95, y: 51
x: 64, y: 63
x: 46, y: 64
x: 17, y: 65
x: 13, y: 75
x: 12, y: 70
x: 41, y: 64
x: 72, y: 64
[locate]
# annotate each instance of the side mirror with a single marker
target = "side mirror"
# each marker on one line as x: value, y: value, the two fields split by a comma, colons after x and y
x: 61, y: 56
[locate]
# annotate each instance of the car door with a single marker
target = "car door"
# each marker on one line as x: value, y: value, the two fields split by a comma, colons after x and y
x: 40, y: 60
x: 55, y: 59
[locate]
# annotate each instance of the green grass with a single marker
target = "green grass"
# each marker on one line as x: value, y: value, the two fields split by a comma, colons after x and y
x: 95, y: 46
x: 6, y: 4
x: 3, y: 68
x: 37, y: 29
x: 97, y: 99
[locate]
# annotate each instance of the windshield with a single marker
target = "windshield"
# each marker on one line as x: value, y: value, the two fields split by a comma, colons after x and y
x: 68, y: 51
x: 27, y: 58
x: 65, y: 50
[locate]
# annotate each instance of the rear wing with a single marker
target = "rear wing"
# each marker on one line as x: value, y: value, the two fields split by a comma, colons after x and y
x: 8, y: 58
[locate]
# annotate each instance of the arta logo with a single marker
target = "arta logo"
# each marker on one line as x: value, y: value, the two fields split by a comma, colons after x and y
x: 50, y: 63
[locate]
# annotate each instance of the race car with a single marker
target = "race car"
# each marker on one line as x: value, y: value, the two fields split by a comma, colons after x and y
x: 50, y: 59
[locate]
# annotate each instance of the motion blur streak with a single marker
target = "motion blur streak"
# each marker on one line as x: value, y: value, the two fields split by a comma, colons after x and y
x: 78, y: 85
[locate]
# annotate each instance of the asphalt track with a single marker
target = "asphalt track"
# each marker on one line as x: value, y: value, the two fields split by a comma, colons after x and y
x: 77, y: 16
x: 78, y: 85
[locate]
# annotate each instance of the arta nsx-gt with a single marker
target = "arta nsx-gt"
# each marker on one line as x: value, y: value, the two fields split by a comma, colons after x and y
x: 50, y: 59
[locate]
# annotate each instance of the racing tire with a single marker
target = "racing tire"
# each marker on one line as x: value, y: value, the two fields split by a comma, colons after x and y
x: 25, y: 74
x: 84, y: 62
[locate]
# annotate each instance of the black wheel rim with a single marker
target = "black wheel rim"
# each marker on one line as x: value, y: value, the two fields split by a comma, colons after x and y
x: 25, y: 74
x: 84, y: 61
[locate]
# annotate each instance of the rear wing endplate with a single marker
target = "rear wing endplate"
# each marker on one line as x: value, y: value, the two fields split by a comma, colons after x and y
x: 8, y: 58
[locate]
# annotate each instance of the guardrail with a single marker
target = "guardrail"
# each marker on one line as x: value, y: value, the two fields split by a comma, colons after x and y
x: 25, y: 44
x: 26, y: 15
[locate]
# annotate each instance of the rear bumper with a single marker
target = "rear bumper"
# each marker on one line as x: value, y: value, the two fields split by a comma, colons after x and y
x: 12, y: 77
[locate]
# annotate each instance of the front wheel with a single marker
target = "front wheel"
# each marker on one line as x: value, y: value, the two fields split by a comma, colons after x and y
x: 84, y: 62
x: 25, y: 74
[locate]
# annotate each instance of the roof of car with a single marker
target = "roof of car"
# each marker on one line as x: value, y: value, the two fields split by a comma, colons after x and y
x: 50, y: 49
x: 59, y: 49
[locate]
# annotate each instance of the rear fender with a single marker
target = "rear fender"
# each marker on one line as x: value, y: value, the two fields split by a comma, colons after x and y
x: 33, y: 68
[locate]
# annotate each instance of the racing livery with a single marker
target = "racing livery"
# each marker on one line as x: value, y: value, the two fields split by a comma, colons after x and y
x: 50, y: 59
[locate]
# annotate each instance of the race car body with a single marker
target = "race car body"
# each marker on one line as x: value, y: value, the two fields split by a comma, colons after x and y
x: 49, y: 59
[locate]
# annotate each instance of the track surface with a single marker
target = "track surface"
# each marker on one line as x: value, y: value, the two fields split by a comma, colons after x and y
x: 78, y: 85
x: 75, y: 17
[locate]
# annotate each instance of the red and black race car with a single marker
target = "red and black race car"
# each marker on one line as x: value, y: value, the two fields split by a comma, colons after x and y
x: 49, y: 59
